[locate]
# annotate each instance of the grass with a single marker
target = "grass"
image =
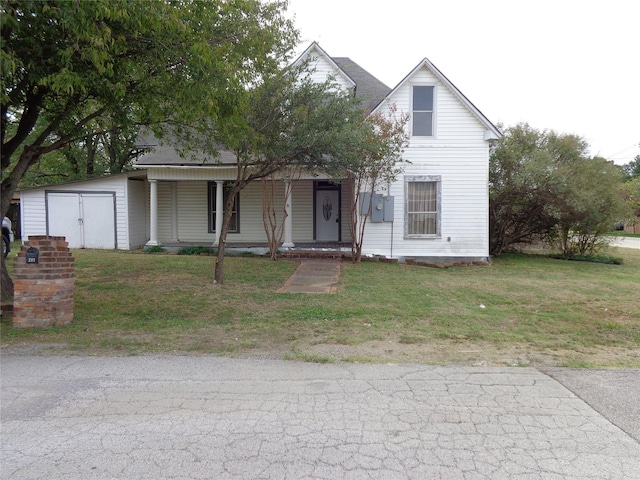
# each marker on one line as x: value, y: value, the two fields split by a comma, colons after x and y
x: 522, y: 310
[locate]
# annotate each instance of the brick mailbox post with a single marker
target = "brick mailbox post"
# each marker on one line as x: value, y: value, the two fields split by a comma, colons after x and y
x: 44, y: 277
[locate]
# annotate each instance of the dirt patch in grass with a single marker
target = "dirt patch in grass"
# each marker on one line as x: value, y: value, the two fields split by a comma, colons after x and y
x: 442, y: 352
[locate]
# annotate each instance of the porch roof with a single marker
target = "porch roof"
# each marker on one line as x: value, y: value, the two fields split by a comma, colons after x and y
x: 162, y: 154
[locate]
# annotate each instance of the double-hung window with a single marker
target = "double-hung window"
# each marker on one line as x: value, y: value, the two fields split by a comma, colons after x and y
x: 234, y: 224
x: 423, y: 101
x: 422, y: 206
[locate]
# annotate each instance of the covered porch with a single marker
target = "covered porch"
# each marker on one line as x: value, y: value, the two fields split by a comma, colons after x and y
x: 186, y: 212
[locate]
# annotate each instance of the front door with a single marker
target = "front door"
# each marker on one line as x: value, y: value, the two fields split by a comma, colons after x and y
x: 328, y: 215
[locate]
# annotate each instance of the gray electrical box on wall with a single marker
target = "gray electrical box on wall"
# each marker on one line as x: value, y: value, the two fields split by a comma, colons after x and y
x: 377, y: 208
x: 381, y: 207
x: 388, y: 209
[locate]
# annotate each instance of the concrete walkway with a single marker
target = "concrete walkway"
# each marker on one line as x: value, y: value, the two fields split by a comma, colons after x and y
x: 200, y: 417
x: 314, y: 276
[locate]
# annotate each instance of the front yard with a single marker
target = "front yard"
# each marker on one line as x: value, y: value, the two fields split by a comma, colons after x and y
x: 522, y: 310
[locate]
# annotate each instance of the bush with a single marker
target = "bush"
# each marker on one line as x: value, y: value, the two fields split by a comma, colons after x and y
x: 154, y: 249
x: 197, y: 251
x: 590, y: 258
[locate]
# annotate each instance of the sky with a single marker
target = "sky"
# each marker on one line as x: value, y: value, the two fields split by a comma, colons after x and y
x: 564, y: 65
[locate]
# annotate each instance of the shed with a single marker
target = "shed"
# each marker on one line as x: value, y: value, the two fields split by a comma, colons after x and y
x: 107, y: 212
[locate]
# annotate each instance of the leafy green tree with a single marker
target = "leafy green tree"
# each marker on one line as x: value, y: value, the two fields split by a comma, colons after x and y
x: 588, y: 204
x: 175, y: 64
x: 285, y: 124
x: 112, y: 149
x: 632, y: 169
x: 631, y: 195
x: 543, y: 185
x: 371, y: 160
x: 521, y: 188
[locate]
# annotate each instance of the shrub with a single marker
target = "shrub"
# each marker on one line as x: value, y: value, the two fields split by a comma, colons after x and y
x: 154, y: 249
x: 199, y: 250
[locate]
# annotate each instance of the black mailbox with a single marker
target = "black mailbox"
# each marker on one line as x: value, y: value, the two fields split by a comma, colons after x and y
x: 32, y: 255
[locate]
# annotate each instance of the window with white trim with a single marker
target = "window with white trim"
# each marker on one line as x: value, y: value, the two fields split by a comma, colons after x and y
x: 422, y: 101
x: 422, y: 206
x: 234, y: 223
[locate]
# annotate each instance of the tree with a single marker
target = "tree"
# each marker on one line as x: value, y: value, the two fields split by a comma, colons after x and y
x: 274, y: 223
x: 287, y: 122
x: 111, y: 149
x: 588, y: 204
x: 521, y: 188
x: 631, y: 195
x: 632, y: 169
x: 178, y: 65
x: 542, y: 184
x: 372, y: 162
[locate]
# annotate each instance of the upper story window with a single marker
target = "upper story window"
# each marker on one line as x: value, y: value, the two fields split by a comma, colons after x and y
x: 423, y: 111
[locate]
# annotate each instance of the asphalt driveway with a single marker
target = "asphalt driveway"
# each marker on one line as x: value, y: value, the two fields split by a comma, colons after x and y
x: 183, y: 417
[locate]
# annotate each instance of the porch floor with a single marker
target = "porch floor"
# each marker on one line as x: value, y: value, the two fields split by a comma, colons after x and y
x: 262, y: 248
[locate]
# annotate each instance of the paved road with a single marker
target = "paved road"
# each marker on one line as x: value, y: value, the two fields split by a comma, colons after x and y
x: 187, y: 417
x: 626, y: 242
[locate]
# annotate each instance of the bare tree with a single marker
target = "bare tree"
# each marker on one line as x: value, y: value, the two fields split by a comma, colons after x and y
x: 274, y: 224
x: 375, y: 163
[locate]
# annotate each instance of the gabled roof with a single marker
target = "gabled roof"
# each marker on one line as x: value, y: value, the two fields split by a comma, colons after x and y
x: 368, y: 88
x: 492, y: 130
x: 314, y: 46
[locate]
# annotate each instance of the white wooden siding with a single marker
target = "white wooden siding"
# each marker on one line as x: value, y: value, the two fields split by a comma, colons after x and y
x: 192, y: 211
x: 302, y: 211
x: 188, y: 174
x: 453, y: 120
x: 166, y: 212
x: 137, y: 208
x: 33, y: 214
x: 322, y: 69
x: 345, y: 214
x: 460, y: 156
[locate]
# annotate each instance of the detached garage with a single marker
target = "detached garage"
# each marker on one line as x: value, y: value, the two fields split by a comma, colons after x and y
x: 105, y: 212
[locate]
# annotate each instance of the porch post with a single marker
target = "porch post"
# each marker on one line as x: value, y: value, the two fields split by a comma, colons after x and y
x: 153, y: 221
x: 288, y: 221
x: 219, y: 210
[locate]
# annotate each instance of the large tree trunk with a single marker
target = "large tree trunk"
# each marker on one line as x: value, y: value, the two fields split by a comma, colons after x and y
x: 6, y: 284
x: 228, y: 211
x: 29, y: 156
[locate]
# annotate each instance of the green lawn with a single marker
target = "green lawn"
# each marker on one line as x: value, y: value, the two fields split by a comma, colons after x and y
x: 522, y: 310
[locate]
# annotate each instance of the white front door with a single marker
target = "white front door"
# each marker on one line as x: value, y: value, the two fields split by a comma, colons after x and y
x: 327, y: 215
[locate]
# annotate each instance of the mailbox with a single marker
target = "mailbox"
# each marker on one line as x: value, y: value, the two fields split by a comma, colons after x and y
x: 33, y: 255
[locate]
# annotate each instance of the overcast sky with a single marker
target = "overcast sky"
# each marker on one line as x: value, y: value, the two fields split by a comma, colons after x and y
x: 571, y: 66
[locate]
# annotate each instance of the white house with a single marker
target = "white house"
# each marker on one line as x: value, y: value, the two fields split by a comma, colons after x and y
x: 436, y: 210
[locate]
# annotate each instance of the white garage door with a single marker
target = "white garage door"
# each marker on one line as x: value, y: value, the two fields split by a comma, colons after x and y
x: 87, y: 220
